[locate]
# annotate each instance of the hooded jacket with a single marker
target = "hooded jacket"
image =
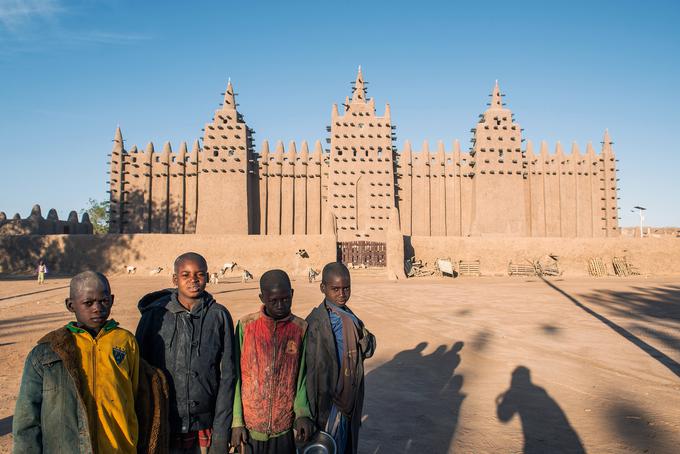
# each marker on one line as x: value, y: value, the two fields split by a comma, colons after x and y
x: 195, y: 349
x: 51, y: 414
x: 323, y: 369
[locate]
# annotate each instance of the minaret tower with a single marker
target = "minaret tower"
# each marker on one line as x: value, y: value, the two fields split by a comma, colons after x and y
x: 117, y: 184
x: 498, y: 182
x: 224, y: 176
x: 361, y: 170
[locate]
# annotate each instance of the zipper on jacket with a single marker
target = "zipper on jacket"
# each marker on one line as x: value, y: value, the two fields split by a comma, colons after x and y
x: 271, y: 390
x: 95, y: 437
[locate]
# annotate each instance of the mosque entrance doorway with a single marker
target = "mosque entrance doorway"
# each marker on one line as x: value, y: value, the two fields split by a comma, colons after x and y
x: 362, y: 253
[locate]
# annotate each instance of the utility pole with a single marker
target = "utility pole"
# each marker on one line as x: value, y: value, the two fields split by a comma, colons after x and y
x: 641, y: 213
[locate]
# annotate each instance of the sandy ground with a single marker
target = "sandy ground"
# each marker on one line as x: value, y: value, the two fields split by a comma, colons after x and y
x: 468, y: 365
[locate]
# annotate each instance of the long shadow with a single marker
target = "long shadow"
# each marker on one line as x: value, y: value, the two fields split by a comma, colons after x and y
x: 413, y: 402
x: 64, y: 255
x: 545, y: 426
x: 27, y: 324
x: 658, y: 308
x: 234, y: 290
x: 661, y: 357
x: 636, y: 428
x: 33, y: 293
x: 28, y: 320
x: 6, y: 425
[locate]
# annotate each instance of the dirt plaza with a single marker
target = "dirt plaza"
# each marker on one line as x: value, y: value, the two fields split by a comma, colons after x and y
x: 467, y: 365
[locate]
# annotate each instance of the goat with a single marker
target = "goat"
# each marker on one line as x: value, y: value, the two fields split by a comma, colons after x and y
x: 229, y: 266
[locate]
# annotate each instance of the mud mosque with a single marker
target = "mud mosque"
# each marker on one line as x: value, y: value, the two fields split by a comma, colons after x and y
x: 499, y: 187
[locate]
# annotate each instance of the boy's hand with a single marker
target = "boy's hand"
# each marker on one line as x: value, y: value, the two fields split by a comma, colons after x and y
x: 304, y: 428
x: 239, y: 435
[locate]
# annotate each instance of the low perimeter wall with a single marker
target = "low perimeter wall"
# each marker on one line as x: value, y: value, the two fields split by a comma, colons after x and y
x: 655, y: 256
x: 69, y: 254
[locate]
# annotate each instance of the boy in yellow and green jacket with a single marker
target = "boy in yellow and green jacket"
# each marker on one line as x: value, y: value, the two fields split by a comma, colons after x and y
x: 79, y: 387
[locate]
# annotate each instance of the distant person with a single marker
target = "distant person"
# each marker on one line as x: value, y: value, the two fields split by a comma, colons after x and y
x: 271, y: 394
x: 42, y: 271
x: 337, y: 345
x: 79, y: 386
x: 187, y: 334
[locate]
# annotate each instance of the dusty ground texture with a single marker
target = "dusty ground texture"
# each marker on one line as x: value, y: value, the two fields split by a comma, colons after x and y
x: 466, y: 365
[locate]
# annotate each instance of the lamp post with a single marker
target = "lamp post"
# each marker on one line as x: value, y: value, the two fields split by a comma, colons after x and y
x: 641, y: 213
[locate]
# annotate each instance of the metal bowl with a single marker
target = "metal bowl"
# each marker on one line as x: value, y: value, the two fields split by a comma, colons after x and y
x: 320, y: 443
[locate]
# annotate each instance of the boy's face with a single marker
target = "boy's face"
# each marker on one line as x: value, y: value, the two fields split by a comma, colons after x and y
x: 191, y: 278
x: 277, y: 301
x: 337, y: 289
x: 91, y: 304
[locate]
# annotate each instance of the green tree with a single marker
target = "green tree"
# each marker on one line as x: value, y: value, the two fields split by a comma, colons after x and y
x: 99, y: 215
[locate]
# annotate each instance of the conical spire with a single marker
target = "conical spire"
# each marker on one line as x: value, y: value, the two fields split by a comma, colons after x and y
x: 196, y: 147
x: 229, y: 99
x: 496, y: 101
x: 278, y: 153
x: 118, y: 140
x: 36, y: 212
x: 265, y: 151
x: 441, y: 150
x: 304, y: 153
x: 606, y: 142
x: 359, y: 95
x: 318, y: 151
x: 456, y: 146
x: 292, y: 151
x: 590, y: 151
x: 558, y: 149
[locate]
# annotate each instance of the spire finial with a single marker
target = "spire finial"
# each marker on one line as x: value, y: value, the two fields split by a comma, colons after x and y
x: 229, y: 99
x: 359, y: 94
x: 607, y: 141
x: 118, y: 137
x: 496, y: 101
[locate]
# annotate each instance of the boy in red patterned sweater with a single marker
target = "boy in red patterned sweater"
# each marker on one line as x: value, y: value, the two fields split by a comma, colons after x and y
x: 271, y: 395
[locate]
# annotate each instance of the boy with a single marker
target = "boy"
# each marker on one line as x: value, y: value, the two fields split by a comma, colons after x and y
x: 78, y: 388
x: 337, y: 344
x: 271, y: 395
x: 189, y: 336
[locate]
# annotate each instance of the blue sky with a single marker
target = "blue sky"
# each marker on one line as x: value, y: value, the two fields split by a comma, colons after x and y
x: 70, y: 71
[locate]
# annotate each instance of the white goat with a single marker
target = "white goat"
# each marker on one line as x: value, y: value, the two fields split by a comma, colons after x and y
x: 229, y: 266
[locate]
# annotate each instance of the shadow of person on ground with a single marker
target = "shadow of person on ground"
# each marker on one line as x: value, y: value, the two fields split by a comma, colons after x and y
x: 413, y: 402
x: 545, y: 426
x: 6, y: 425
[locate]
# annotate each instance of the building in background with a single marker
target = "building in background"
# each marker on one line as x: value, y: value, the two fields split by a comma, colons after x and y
x: 500, y: 187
